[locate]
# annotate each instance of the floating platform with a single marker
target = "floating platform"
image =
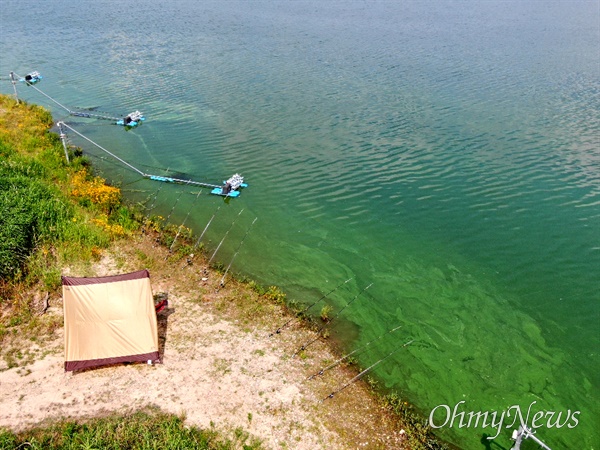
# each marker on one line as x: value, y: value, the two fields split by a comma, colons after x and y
x: 132, y: 119
x: 31, y: 78
x: 230, y: 187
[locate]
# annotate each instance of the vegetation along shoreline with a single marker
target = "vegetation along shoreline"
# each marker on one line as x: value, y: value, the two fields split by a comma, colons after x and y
x: 225, y: 381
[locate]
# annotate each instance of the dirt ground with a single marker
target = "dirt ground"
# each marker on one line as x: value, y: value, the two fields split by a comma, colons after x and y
x: 219, y: 367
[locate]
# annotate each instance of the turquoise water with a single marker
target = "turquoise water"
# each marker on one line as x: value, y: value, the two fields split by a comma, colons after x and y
x: 447, y: 152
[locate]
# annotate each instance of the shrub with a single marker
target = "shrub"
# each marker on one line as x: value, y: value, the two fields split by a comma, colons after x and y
x: 95, y: 191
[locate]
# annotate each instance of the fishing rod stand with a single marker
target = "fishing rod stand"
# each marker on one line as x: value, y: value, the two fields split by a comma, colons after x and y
x: 14, y: 83
x: 63, y: 139
x: 525, y: 433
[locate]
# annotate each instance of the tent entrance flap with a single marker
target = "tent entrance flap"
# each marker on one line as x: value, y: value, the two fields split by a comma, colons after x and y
x: 109, y: 320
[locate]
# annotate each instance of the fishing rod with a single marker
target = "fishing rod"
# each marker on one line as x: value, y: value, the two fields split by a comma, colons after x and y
x: 209, y: 222
x: 222, y: 282
x: 364, y: 372
x: 278, y: 330
x: 219, y: 246
x: 335, y: 363
x: 149, y: 210
x: 154, y: 199
x: 332, y: 319
x: 184, y: 220
x: 173, y: 208
x: 206, y: 227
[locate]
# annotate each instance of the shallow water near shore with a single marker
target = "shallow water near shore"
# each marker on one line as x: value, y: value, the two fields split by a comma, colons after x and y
x: 448, y: 153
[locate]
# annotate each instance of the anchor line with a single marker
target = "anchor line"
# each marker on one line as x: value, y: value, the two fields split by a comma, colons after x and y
x: 364, y: 372
x: 278, y: 330
x: 219, y: 246
x: 343, y: 358
x: 222, y: 282
x: 47, y: 96
x: 135, y: 169
x: 93, y: 116
x: 70, y: 111
x: 103, y: 149
x: 332, y: 319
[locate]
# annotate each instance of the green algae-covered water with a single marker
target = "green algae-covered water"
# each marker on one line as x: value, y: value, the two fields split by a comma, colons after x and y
x: 447, y: 152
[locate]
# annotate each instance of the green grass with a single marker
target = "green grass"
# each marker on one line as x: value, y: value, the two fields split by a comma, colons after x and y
x: 52, y: 213
x: 44, y: 225
x: 147, y: 429
x: 37, y: 212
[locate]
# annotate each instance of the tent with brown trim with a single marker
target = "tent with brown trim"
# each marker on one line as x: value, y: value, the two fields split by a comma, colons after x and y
x: 109, y: 320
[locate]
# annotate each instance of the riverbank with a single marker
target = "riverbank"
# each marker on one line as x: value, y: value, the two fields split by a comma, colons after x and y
x: 220, y: 368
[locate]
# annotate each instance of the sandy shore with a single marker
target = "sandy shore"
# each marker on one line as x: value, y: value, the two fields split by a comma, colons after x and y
x: 219, y: 367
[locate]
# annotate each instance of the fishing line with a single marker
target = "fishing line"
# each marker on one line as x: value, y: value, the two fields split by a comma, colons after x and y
x: 209, y: 222
x: 360, y: 375
x: 173, y: 208
x: 278, y: 330
x: 335, y: 363
x: 133, y: 182
x: 219, y: 246
x: 206, y: 227
x: 184, y: 220
x: 328, y: 323
x: 153, y: 200
x: 222, y: 282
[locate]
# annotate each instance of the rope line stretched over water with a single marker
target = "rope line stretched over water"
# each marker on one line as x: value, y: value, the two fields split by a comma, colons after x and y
x: 135, y: 169
x: 71, y: 112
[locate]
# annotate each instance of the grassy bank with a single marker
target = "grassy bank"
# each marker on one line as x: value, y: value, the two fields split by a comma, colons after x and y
x: 57, y: 217
x: 147, y: 429
x: 53, y: 213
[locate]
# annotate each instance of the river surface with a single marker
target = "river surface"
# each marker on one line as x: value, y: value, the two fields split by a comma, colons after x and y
x: 444, y: 153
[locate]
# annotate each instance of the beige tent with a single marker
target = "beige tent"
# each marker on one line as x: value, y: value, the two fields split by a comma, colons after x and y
x: 109, y: 320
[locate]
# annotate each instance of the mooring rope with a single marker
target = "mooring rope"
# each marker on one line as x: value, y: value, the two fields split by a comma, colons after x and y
x: 103, y: 149
x: 135, y: 169
x: 70, y: 111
